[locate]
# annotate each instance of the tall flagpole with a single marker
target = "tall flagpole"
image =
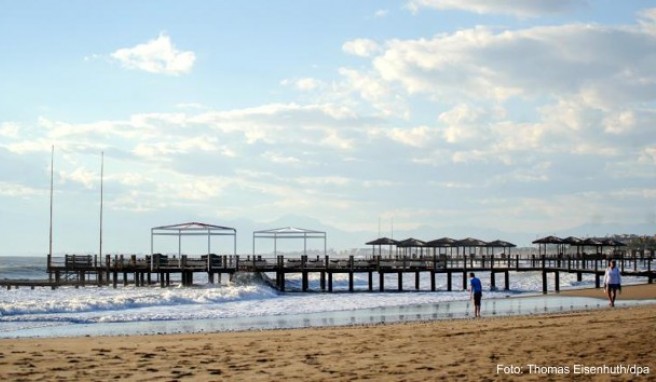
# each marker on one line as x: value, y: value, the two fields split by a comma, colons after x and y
x: 52, y: 172
x: 102, y: 168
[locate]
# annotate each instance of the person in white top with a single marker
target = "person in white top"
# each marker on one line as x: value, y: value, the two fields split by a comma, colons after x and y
x: 612, y: 282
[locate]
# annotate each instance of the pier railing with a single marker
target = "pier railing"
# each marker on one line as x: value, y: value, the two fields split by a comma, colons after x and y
x: 231, y: 263
x: 157, y: 268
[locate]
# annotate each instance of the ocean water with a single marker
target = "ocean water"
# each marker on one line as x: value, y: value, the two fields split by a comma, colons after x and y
x: 249, y: 304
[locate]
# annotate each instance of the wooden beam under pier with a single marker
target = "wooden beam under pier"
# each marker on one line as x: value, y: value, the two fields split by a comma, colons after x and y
x: 79, y: 270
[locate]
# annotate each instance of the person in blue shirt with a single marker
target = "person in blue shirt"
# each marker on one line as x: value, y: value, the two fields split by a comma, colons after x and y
x: 475, y: 292
x: 612, y: 282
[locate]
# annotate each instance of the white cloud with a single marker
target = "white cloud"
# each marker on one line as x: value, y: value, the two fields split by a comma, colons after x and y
x: 279, y: 158
x: 619, y: 122
x: 9, y: 130
x: 420, y: 136
x: 648, y: 155
x: 361, y: 47
x: 81, y: 175
x: 581, y: 60
x: 518, y: 8
x: 19, y: 190
x: 303, y: 84
x: 376, y: 92
x: 323, y: 181
x: 464, y: 123
x: 381, y: 13
x: 156, y: 56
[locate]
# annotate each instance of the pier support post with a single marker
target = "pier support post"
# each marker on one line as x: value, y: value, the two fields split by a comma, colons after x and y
x: 125, y: 279
x: 557, y: 281
x: 417, y: 280
x: 281, y: 285
x: 464, y: 280
x: 544, y: 282
x: 371, y: 281
x: 322, y: 280
x: 432, y: 276
x: 506, y: 276
x: 493, y: 284
x: 381, y: 281
x: 304, y: 273
x: 400, y: 278
x: 449, y: 281
x: 597, y: 280
x: 330, y: 282
x: 351, y: 281
x: 162, y: 280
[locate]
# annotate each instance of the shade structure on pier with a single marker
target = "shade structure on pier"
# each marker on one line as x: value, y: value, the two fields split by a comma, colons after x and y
x: 289, y: 233
x: 470, y: 242
x: 411, y: 242
x: 573, y: 241
x: 193, y: 229
x: 611, y: 243
x: 501, y: 244
x: 544, y: 241
x: 380, y: 242
x: 548, y: 240
x: 443, y: 242
x: 592, y: 242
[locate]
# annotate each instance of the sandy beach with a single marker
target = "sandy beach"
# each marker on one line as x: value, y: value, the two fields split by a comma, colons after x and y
x: 602, y: 344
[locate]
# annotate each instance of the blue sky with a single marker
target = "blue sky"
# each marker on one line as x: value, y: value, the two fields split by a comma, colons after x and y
x: 456, y: 116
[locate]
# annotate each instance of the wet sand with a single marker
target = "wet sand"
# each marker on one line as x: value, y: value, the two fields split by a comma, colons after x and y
x: 560, y: 345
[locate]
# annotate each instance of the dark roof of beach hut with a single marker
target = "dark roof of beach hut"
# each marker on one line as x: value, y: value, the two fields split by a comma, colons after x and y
x: 592, y: 242
x: 619, y: 243
x: 411, y: 242
x: 612, y: 243
x: 572, y: 240
x: 442, y: 242
x: 382, y: 241
x: 470, y: 242
x: 500, y: 244
x: 549, y: 240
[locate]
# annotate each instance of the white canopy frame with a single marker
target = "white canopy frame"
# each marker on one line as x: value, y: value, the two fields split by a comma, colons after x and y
x: 289, y: 233
x: 193, y: 229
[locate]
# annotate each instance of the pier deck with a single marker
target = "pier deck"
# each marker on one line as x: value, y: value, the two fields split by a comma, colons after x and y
x: 81, y: 270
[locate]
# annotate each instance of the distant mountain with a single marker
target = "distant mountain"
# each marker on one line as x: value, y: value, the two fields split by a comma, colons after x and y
x: 341, y: 240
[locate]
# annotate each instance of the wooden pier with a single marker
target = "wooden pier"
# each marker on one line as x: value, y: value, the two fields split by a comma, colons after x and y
x: 82, y: 270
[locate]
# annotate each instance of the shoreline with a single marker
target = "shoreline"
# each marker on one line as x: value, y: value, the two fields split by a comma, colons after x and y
x: 466, y: 349
x: 629, y: 292
x: 572, y: 300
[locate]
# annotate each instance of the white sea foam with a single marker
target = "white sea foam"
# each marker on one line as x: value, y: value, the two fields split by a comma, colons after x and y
x: 23, y: 310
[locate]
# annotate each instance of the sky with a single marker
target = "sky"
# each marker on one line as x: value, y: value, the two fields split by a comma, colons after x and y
x: 521, y: 117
